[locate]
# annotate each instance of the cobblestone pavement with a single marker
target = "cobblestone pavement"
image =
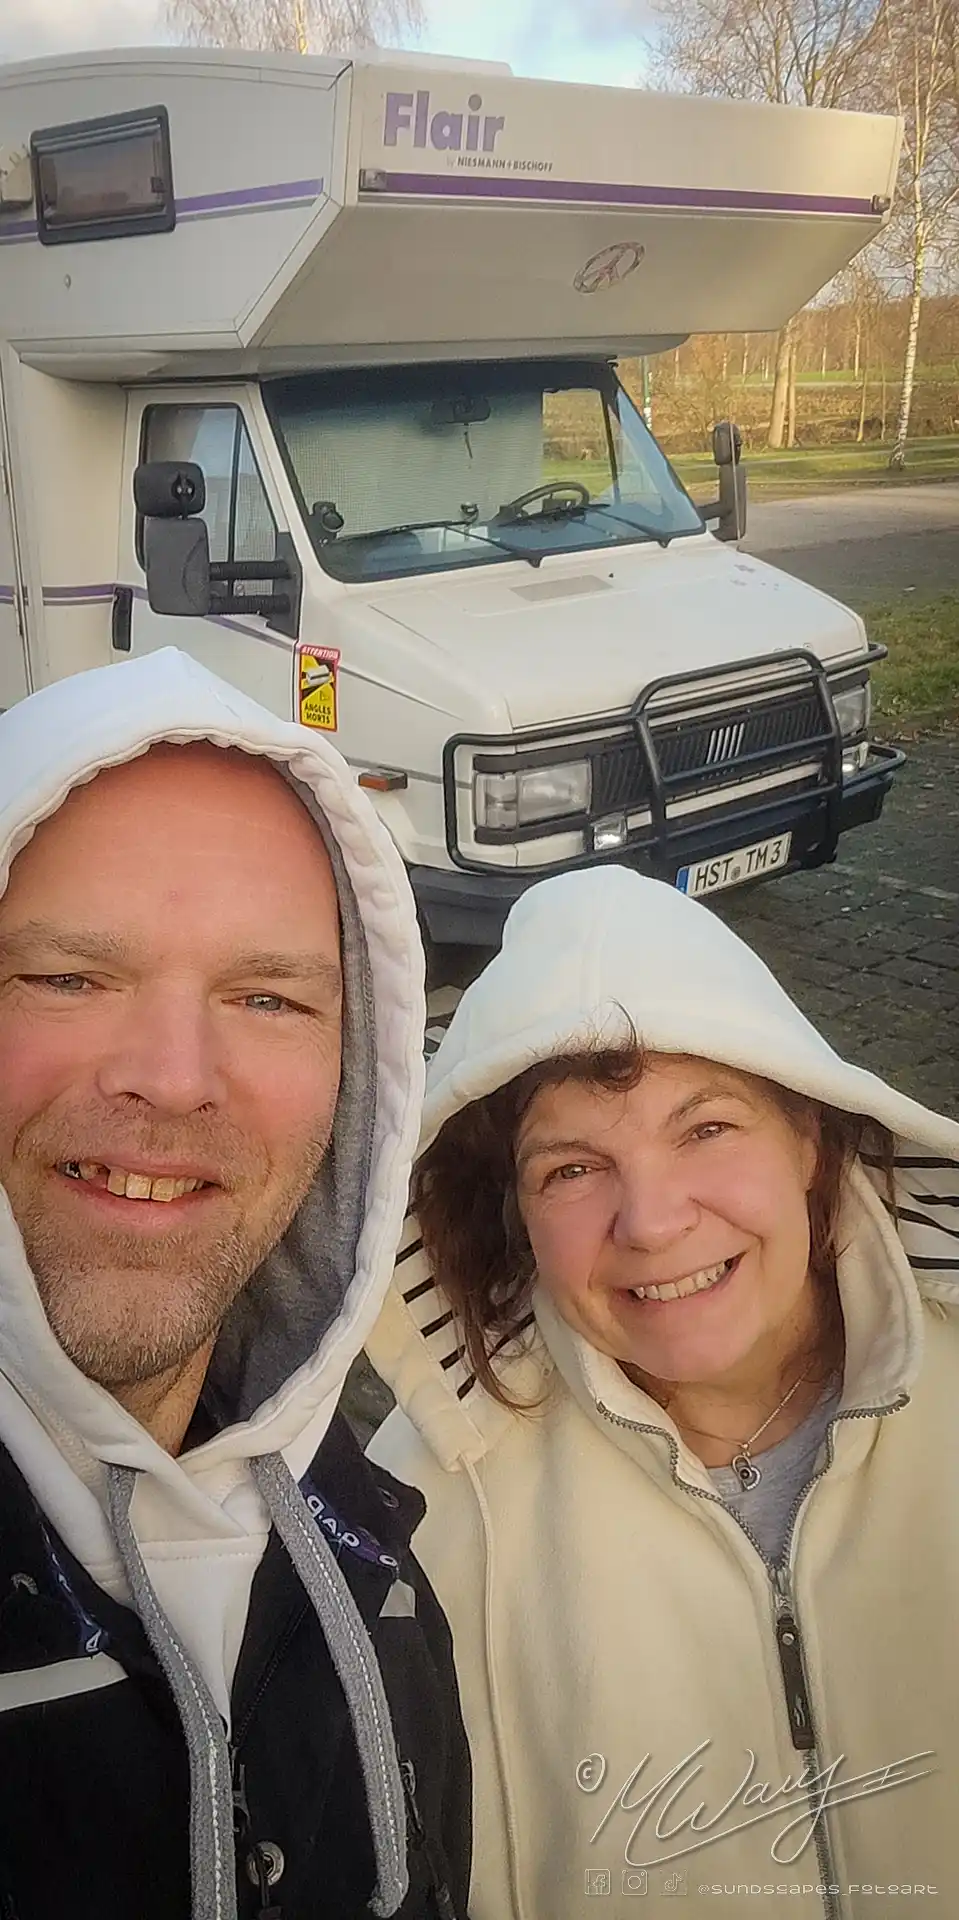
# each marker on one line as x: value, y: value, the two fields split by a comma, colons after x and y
x: 869, y: 948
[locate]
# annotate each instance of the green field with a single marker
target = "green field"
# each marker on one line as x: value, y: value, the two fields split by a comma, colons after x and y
x: 788, y: 476
x: 917, y: 687
x: 809, y: 470
x: 844, y: 377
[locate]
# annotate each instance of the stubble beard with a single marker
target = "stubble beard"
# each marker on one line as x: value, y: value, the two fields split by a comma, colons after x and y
x: 127, y: 1311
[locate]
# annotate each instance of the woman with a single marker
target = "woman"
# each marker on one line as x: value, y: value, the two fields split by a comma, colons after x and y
x: 676, y: 1351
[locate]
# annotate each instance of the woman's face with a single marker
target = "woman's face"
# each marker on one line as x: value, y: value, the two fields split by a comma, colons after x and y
x: 669, y: 1222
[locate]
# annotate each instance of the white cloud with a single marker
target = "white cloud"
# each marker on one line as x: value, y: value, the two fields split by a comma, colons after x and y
x: 561, y: 39
x: 558, y: 39
x: 31, y: 28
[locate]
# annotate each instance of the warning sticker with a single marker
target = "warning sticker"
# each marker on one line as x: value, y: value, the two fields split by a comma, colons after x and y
x: 317, y: 669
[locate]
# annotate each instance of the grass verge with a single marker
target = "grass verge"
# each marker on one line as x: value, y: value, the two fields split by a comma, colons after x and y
x: 915, y: 690
x: 809, y: 470
x: 791, y: 475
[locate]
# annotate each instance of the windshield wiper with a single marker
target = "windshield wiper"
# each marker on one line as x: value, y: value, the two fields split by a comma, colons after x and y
x: 578, y: 509
x: 453, y: 526
x: 638, y: 526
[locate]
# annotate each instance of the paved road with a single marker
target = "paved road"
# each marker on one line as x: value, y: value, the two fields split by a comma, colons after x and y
x: 864, y: 545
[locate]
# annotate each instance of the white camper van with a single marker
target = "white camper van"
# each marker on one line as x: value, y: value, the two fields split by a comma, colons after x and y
x: 309, y: 366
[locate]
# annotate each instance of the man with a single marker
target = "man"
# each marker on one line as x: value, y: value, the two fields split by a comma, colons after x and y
x: 225, y: 1686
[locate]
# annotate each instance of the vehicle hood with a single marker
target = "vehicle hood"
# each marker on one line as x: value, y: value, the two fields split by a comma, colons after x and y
x: 583, y: 634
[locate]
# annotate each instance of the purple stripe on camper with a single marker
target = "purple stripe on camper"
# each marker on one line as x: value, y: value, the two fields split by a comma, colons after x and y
x: 276, y: 196
x: 76, y: 596
x: 14, y: 232
x: 235, y: 626
x: 250, y: 196
x: 485, y: 186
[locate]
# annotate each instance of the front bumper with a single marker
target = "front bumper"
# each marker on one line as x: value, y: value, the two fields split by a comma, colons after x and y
x: 469, y: 908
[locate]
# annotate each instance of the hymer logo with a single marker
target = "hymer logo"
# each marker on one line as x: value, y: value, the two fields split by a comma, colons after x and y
x: 412, y: 114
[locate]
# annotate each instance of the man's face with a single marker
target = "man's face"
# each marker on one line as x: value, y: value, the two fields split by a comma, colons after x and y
x: 170, y: 1003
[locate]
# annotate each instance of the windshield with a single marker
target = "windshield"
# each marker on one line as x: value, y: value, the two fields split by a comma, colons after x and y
x: 411, y: 471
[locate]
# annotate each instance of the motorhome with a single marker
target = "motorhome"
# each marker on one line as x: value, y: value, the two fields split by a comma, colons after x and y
x: 314, y: 367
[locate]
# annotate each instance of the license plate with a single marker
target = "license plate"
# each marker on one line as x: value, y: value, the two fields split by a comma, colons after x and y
x: 734, y: 869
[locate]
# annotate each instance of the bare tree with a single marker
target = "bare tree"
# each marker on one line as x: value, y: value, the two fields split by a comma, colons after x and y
x: 808, y: 53
x: 294, y: 26
x: 916, y: 75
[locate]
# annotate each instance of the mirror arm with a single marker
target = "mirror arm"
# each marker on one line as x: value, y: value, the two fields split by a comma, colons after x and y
x: 261, y: 604
x: 250, y: 570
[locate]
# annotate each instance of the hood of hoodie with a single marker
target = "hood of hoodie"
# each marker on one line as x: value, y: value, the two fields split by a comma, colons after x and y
x: 591, y: 958
x: 287, y: 1344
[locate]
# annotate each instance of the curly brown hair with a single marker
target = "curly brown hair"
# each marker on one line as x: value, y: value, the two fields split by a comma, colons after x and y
x: 464, y: 1196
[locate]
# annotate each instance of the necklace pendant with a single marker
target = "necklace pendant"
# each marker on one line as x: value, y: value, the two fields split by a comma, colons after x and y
x: 746, y: 1471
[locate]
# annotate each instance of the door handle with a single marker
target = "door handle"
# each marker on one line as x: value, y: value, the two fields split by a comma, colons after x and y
x: 121, y: 620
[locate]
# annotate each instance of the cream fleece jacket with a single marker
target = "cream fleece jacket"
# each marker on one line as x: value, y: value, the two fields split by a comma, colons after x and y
x: 654, y: 1711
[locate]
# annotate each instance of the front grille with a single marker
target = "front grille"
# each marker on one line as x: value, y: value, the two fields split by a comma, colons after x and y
x: 699, y: 748
x: 712, y: 750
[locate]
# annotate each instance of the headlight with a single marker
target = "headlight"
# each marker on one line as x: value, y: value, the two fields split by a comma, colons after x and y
x: 505, y: 801
x: 853, y: 708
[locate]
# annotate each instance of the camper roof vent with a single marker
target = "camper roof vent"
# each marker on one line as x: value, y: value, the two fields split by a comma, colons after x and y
x: 16, y: 179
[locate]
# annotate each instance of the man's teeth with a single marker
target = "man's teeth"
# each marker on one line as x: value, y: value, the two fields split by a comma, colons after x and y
x: 680, y: 1290
x: 130, y: 1186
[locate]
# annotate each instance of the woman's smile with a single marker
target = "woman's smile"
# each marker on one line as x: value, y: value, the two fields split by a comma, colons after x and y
x: 693, y: 1286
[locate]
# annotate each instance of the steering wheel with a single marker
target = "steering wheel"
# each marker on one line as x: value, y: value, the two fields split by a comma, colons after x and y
x: 572, y: 490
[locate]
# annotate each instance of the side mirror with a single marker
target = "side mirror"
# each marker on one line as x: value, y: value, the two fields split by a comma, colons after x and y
x: 727, y: 444
x: 176, y: 546
x: 729, y: 511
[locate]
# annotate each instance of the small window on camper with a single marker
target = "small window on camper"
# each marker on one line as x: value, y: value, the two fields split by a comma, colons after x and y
x: 237, y: 512
x: 104, y: 179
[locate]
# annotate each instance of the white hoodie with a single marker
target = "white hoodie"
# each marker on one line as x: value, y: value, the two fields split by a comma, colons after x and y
x: 200, y: 1522
x: 611, y: 1620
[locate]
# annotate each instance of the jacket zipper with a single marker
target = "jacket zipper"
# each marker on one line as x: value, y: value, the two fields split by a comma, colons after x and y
x: 439, y: 1894
x: 792, y: 1664
x: 255, y: 1859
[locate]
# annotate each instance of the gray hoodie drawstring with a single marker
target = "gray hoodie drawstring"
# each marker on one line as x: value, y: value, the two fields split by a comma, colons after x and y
x: 358, y: 1672
x: 212, y: 1859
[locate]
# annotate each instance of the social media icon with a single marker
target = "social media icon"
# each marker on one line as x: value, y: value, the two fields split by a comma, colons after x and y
x: 675, y: 1883
x: 598, y: 1880
x: 635, y: 1880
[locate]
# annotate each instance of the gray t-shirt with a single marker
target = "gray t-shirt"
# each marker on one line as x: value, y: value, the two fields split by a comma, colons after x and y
x: 786, y: 1470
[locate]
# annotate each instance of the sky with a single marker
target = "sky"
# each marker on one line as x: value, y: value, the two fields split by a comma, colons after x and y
x: 555, y: 39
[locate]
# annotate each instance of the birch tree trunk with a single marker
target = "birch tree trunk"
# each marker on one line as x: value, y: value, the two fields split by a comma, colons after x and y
x: 897, y: 458
x: 861, y: 428
x: 777, y: 417
x: 791, y: 403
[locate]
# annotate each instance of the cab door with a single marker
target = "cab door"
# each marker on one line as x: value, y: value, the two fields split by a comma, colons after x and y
x: 14, y: 675
x: 218, y: 429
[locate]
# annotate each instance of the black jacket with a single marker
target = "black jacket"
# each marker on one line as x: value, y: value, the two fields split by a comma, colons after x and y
x: 94, y: 1785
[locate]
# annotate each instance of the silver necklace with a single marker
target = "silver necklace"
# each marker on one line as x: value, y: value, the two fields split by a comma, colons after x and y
x: 742, y: 1462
